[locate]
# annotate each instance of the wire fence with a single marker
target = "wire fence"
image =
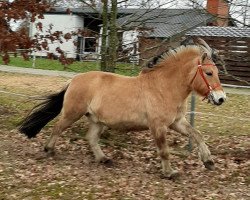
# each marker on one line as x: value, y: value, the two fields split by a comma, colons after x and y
x: 191, y: 113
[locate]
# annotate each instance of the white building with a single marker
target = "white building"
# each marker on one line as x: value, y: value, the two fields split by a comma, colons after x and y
x: 59, y: 20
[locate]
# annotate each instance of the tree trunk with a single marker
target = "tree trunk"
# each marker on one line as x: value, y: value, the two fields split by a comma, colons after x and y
x: 104, y: 36
x: 113, y: 41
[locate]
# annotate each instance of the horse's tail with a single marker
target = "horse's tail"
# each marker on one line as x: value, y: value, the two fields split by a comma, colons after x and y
x: 42, y: 114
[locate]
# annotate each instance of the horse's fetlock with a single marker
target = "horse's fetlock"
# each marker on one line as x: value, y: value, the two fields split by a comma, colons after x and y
x: 209, y: 164
x: 106, y: 161
x: 49, y: 150
x: 172, y: 175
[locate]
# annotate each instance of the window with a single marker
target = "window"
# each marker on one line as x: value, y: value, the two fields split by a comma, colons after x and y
x: 90, y: 44
x: 86, y: 44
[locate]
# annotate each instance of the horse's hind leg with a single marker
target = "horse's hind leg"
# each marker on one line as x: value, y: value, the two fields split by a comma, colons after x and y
x: 93, y: 136
x: 64, y: 122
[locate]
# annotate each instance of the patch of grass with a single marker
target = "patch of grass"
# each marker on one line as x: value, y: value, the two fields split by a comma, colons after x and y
x: 53, y: 191
x: 231, y: 118
x: 42, y: 63
x: 12, y: 111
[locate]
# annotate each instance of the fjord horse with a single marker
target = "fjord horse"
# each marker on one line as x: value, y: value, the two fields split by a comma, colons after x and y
x: 155, y: 100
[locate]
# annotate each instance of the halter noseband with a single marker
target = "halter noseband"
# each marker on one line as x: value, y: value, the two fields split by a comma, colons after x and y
x: 209, y: 87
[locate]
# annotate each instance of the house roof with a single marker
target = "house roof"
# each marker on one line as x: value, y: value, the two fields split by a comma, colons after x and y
x: 88, y: 10
x: 215, y: 31
x: 61, y: 10
x: 165, y: 23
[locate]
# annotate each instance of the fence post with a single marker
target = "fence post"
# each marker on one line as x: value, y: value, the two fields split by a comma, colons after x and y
x: 192, y: 115
x: 192, y: 109
x: 34, y: 59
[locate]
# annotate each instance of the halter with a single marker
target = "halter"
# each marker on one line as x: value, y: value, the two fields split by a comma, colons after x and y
x: 209, y: 87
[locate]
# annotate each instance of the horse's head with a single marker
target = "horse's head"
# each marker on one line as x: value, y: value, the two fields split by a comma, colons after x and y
x: 206, y: 81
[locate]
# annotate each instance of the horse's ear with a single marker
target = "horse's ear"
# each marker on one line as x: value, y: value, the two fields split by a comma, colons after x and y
x: 199, y: 41
x: 188, y: 41
x: 203, y: 57
x: 203, y: 45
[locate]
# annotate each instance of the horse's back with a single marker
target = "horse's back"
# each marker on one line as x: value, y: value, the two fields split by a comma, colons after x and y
x: 98, y: 81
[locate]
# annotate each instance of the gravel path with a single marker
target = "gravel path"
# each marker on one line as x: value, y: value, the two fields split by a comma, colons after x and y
x: 21, y: 70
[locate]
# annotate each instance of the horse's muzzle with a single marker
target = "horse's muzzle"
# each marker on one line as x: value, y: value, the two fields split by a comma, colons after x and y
x: 217, y: 97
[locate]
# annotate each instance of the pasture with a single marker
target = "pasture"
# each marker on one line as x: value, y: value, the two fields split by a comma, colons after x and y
x: 27, y: 173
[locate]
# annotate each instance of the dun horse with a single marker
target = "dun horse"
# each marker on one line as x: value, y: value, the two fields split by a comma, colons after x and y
x: 155, y: 100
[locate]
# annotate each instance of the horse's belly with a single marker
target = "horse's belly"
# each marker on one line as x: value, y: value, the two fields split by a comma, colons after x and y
x: 128, y: 126
x: 131, y: 123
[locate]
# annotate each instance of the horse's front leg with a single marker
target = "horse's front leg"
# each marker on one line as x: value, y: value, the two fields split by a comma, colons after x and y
x: 159, y: 134
x: 184, y: 127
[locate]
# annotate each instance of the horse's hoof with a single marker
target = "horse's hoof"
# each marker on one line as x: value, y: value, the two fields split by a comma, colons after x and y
x: 49, y: 151
x: 173, y: 175
x: 209, y: 164
x: 107, y: 162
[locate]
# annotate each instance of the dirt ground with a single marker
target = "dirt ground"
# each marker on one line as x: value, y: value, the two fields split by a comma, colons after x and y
x: 26, y: 172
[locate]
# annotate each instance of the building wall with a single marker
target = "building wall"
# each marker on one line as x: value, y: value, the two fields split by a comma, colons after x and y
x: 61, y: 22
x: 235, y: 51
x: 130, y: 45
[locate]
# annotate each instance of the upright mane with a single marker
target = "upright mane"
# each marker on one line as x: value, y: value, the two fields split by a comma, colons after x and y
x: 174, y: 55
x: 179, y: 53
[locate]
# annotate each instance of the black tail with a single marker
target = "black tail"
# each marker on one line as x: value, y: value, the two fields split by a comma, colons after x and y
x: 42, y: 114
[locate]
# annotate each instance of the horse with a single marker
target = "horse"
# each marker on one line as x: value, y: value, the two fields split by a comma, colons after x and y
x: 155, y: 100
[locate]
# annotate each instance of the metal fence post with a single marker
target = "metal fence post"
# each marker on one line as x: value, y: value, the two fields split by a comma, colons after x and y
x: 34, y: 59
x: 192, y: 109
x: 192, y: 115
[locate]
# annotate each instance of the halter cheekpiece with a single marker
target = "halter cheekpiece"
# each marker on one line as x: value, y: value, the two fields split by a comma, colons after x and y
x: 209, y: 87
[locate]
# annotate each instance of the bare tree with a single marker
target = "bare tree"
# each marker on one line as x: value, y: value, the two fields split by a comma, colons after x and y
x: 239, y: 10
x: 17, y: 10
x: 104, y: 50
x: 113, y: 42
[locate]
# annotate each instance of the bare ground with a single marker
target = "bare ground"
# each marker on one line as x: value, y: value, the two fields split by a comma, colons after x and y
x: 26, y: 172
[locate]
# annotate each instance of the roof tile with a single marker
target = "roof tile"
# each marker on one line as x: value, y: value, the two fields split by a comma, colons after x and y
x: 215, y: 31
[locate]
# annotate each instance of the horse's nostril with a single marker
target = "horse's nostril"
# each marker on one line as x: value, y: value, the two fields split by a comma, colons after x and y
x: 221, y: 100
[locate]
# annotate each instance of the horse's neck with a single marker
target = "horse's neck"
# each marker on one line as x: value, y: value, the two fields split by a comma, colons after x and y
x: 174, y: 78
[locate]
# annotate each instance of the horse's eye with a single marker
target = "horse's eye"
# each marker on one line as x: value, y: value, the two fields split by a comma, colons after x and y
x: 209, y: 73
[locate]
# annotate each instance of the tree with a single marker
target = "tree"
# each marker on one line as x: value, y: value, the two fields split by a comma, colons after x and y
x: 238, y: 10
x: 113, y: 42
x: 104, y: 50
x: 109, y: 32
x: 10, y: 40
